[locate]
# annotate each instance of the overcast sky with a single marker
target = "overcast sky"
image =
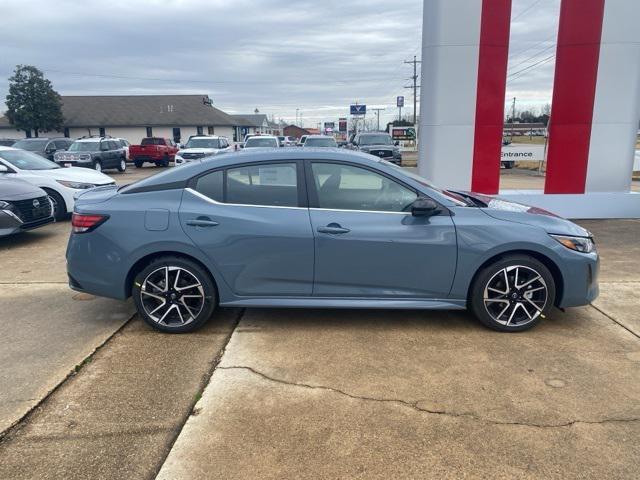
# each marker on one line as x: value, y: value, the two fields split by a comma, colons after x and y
x: 273, y: 55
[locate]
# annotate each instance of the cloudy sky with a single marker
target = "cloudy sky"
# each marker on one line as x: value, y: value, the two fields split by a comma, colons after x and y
x: 274, y: 55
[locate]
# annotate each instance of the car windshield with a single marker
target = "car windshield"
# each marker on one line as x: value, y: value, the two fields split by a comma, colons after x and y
x: 202, y: 143
x: 84, y: 147
x: 454, y: 197
x: 27, y: 160
x: 261, y: 142
x: 320, y: 142
x: 375, y: 140
x: 31, y: 145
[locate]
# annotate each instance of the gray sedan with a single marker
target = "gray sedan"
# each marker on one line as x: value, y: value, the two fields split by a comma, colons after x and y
x: 322, y: 228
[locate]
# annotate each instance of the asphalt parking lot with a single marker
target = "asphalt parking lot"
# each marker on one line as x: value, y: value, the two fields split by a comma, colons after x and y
x: 323, y: 394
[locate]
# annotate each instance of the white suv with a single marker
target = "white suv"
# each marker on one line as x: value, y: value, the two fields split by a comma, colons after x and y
x: 201, y: 146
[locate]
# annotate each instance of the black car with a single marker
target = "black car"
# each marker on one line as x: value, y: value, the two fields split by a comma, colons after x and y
x: 98, y: 153
x: 379, y: 144
x: 22, y: 206
x: 45, y: 147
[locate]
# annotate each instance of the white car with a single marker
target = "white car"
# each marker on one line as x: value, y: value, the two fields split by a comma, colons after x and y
x: 61, y: 184
x: 262, y: 141
x: 202, y: 146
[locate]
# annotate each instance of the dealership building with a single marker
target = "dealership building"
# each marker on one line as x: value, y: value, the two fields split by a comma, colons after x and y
x: 134, y: 117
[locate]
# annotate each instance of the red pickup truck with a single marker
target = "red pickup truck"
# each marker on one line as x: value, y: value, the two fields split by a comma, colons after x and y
x: 156, y: 150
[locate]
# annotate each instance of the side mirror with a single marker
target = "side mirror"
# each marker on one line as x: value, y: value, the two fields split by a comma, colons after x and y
x: 425, y: 207
x: 4, y: 169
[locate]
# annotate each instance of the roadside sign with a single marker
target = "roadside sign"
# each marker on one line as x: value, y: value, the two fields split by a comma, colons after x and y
x: 403, y: 133
x: 329, y: 125
x: 342, y: 124
x: 358, y: 109
x: 400, y: 101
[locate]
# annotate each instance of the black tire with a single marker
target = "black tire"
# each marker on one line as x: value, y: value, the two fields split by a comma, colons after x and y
x: 508, y: 165
x: 138, y: 164
x: 177, y: 308
x: 525, y: 306
x: 122, y: 166
x: 165, y: 161
x: 97, y: 165
x: 59, y: 205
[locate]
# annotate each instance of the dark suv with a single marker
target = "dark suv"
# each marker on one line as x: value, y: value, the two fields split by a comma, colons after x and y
x: 99, y: 153
x: 379, y: 144
x: 45, y: 147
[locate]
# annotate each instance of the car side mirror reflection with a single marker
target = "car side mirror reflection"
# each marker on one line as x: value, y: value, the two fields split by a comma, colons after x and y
x: 425, y: 207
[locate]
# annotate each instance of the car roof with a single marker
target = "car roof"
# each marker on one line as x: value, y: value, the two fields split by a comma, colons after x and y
x: 318, y: 136
x: 206, y: 136
x: 264, y: 136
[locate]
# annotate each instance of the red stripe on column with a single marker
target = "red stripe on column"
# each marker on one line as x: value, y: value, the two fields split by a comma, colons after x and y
x: 492, y: 80
x: 573, y: 95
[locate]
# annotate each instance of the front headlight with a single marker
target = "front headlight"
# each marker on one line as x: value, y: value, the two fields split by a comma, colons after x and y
x: 75, y: 185
x: 579, y: 244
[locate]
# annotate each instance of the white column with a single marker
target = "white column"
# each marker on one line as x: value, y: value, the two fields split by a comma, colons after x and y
x: 450, y: 51
x: 617, y: 100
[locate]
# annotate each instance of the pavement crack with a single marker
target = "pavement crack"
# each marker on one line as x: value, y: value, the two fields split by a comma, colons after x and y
x: 415, y: 405
x: 620, y: 324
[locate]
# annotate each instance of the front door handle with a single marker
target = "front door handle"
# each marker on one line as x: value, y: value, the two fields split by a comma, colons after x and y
x: 201, y: 222
x: 333, y: 229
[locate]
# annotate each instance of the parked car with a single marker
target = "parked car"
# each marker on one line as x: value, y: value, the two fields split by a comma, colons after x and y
x: 99, y: 153
x: 249, y: 231
x: 303, y: 139
x: 61, y: 184
x: 124, y: 144
x: 262, y: 141
x: 203, y: 146
x: 287, y: 141
x: 22, y: 206
x: 379, y: 144
x: 7, y: 142
x: 45, y: 147
x: 322, y: 141
x: 156, y: 150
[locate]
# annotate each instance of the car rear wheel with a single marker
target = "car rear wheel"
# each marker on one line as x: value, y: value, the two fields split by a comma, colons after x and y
x: 123, y: 165
x: 513, y: 294
x: 174, y: 295
x: 138, y: 164
x: 97, y: 166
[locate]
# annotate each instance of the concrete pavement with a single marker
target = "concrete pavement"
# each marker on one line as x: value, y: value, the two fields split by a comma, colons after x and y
x: 371, y: 394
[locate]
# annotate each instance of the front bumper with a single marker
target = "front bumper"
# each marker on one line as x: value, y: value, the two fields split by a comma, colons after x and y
x: 580, y: 273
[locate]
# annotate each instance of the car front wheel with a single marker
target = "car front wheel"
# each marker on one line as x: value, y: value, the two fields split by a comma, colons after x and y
x: 97, y: 166
x: 174, y: 295
x: 513, y: 294
x: 123, y: 165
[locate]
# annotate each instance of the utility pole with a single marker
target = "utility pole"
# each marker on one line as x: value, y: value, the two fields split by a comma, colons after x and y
x: 415, y: 86
x: 378, y: 110
x: 513, y: 117
x: 297, y: 109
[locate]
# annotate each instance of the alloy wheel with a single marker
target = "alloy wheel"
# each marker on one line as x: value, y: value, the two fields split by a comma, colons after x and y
x: 123, y: 165
x: 98, y: 167
x: 172, y: 296
x: 515, y: 295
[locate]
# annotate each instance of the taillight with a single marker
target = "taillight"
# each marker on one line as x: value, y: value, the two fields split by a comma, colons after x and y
x: 85, y: 223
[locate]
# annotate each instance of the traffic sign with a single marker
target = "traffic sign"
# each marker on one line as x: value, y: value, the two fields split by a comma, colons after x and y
x: 342, y: 124
x: 400, y: 101
x: 358, y: 109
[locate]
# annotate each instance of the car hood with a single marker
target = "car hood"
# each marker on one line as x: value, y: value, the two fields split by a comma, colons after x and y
x: 14, y: 189
x: 75, y: 174
x: 198, y: 150
x: 510, y: 211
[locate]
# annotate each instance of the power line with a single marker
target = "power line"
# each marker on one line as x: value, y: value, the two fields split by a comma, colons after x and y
x: 532, y: 56
x: 515, y: 54
x: 526, y: 10
x: 519, y: 73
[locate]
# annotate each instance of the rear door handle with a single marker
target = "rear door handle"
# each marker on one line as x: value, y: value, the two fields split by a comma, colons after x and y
x: 201, y: 222
x: 334, y: 229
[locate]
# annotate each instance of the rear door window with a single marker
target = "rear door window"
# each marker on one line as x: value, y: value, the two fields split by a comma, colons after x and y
x: 273, y: 184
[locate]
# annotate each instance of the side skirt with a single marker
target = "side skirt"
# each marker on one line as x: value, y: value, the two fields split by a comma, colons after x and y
x: 336, y: 302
